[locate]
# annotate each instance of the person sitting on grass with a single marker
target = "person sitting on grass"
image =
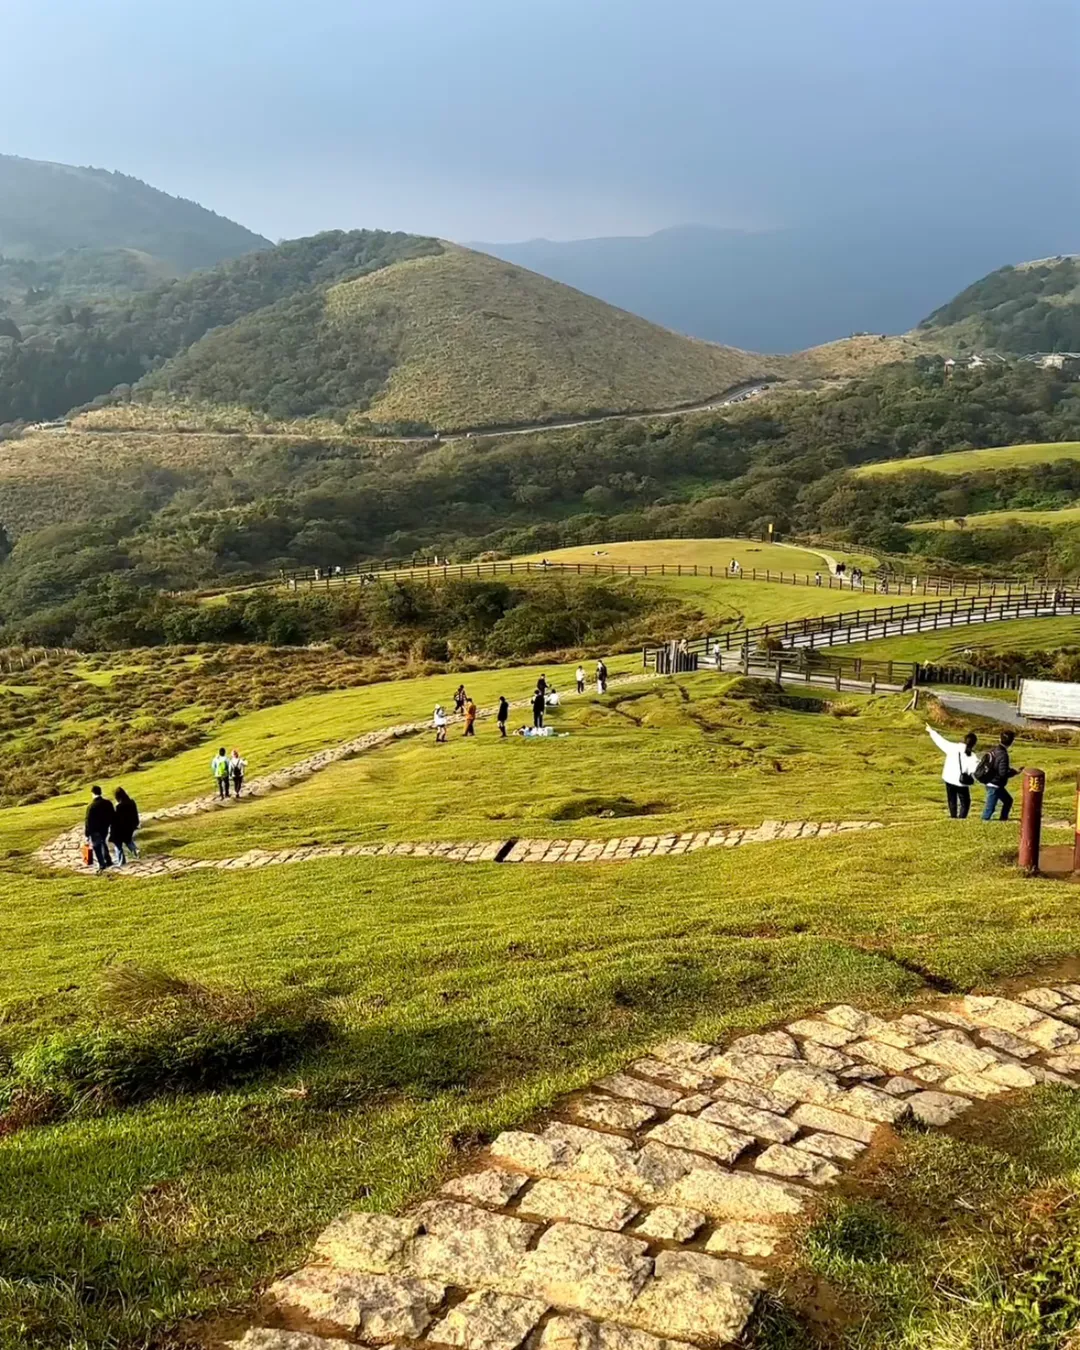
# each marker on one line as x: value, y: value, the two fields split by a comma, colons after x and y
x: 553, y: 699
x: 470, y: 718
x: 958, y: 772
x: 995, y: 775
x: 98, y: 823
x: 125, y: 823
x: 219, y: 767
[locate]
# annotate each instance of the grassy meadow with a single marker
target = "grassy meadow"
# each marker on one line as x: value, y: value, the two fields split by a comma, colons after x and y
x: 158, y: 1166
x: 715, y: 553
x: 971, y: 461
x: 950, y: 646
x: 989, y: 520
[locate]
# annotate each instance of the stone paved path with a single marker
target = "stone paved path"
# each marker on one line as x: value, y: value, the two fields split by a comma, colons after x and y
x: 642, y: 1216
x: 64, y: 852
x: 623, y: 849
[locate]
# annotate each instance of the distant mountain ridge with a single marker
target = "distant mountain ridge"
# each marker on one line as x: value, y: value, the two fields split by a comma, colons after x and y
x: 788, y: 289
x: 47, y: 209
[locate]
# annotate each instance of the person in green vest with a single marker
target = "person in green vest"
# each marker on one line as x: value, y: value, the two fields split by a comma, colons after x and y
x: 219, y: 767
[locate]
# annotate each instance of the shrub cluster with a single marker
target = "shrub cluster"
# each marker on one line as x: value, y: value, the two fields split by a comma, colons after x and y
x: 160, y: 1034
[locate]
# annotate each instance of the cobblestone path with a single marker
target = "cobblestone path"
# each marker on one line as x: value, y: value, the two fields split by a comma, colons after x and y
x: 642, y: 1216
x: 64, y: 852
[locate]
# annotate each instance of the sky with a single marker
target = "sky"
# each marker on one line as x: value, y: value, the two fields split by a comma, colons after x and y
x: 511, y: 119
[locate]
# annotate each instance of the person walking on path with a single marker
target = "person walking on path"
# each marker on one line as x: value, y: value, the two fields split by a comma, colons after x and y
x: 538, y: 707
x: 470, y: 718
x: 97, y: 825
x: 125, y: 823
x: 601, y: 677
x: 460, y: 699
x: 236, y: 771
x: 219, y: 767
x: 958, y: 772
x: 581, y: 679
x: 439, y: 723
x: 994, y: 773
x: 502, y: 715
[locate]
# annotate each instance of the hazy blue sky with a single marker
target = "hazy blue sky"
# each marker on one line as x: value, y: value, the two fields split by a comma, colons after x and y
x: 503, y: 119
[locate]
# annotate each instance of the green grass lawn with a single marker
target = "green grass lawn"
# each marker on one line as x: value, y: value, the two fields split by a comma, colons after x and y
x: 460, y: 999
x: 949, y: 645
x: 970, y: 461
x: 716, y: 553
x: 989, y: 520
x: 684, y: 754
x: 966, y: 1239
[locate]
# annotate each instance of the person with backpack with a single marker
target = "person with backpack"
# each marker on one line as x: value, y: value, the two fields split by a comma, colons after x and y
x: 460, y: 699
x: 958, y: 771
x: 994, y: 772
x: 97, y: 825
x: 219, y: 767
x: 502, y: 715
x: 237, y: 767
x: 124, y: 824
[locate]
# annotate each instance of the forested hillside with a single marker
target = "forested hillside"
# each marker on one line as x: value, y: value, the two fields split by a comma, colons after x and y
x: 47, y: 209
x: 142, y: 518
x: 1031, y: 308
x: 66, y: 357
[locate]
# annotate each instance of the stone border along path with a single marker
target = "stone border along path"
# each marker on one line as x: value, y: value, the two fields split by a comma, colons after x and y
x: 642, y: 1216
x: 64, y: 852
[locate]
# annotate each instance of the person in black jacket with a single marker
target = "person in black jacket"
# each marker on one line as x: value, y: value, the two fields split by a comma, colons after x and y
x: 125, y: 823
x: 999, y: 773
x: 98, y: 823
x: 502, y: 714
x: 538, y: 707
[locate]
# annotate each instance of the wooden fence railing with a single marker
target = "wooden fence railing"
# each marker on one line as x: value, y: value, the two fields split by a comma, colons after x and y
x: 862, y: 625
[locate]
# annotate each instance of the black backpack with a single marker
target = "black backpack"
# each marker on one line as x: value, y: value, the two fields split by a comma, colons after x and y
x: 984, y: 770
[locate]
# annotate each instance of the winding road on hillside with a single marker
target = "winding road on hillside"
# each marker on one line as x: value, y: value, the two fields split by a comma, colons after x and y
x: 737, y: 394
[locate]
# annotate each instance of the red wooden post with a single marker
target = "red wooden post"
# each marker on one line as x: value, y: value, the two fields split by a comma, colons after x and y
x: 1031, y: 804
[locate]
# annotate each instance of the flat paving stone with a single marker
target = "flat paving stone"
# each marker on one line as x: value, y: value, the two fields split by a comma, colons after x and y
x: 781, y: 1161
x: 584, y: 1270
x: 701, y: 1136
x: 619, y: 1113
x: 740, y: 1238
x: 492, y: 1186
x: 762, y: 1124
x: 371, y: 1242
x: 694, y: 1294
x: 579, y: 1202
x: 488, y: 1321
x: 669, y: 1223
x: 377, y: 1308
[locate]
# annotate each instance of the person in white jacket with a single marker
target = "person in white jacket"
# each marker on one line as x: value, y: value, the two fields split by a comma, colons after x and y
x: 958, y: 771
